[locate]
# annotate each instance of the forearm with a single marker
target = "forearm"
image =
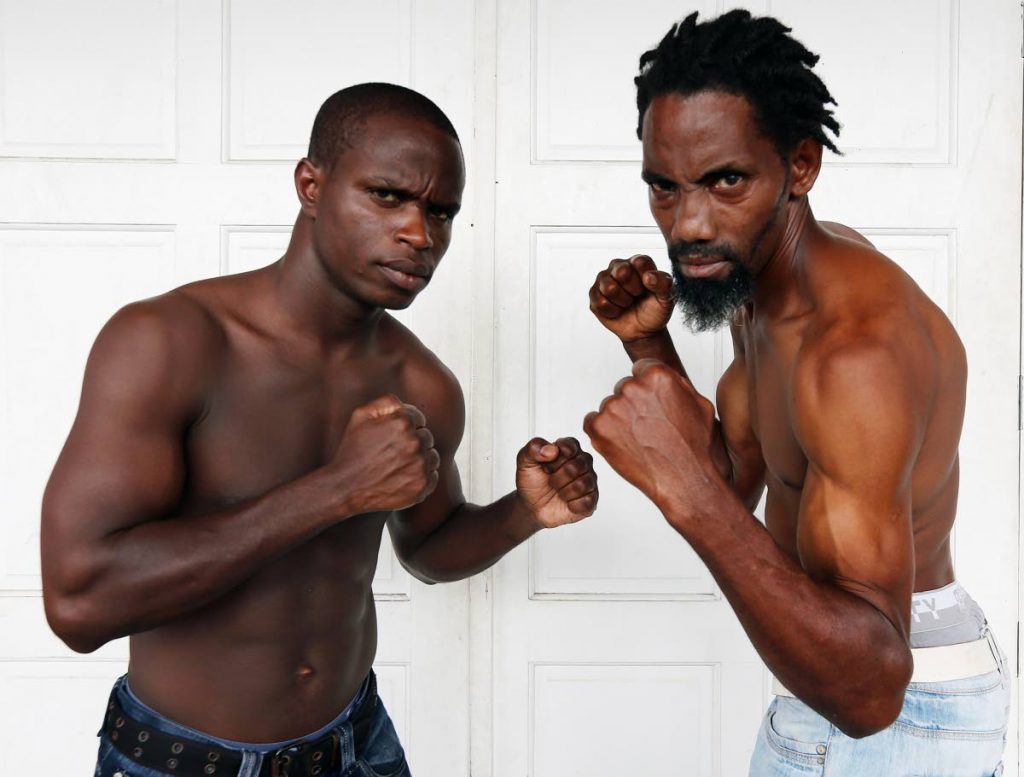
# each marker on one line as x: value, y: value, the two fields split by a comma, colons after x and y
x: 833, y: 649
x: 144, y: 576
x: 472, y: 539
x: 658, y: 346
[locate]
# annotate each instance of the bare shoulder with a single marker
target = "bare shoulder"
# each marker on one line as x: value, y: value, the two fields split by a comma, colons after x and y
x: 861, y: 294
x: 161, y: 348
x: 844, y: 232
x: 429, y: 384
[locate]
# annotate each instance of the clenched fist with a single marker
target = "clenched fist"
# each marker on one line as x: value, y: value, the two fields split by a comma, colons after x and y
x: 556, y: 480
x: 386, y: 458
x: 632, y: 298
x: 660, y: 435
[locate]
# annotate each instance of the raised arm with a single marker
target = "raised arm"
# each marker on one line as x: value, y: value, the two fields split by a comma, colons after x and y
x: 118, y: 554
x: 632, y: 298
x: 444, y: 538
x: 831, y: 626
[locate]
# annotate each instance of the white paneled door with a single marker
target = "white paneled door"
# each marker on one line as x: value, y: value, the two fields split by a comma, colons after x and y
x: 614, y: 652
x: 144, y: 144
x: 147, y: 143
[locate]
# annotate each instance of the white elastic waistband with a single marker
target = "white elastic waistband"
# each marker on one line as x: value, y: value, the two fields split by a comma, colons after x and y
x: 942, y: 664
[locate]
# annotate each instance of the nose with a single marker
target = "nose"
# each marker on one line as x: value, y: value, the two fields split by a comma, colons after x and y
x: 693, y: 220
x: 413, y: 229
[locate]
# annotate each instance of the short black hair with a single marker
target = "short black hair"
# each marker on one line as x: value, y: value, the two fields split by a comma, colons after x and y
x: 340, y: 120
x: 752, y: 57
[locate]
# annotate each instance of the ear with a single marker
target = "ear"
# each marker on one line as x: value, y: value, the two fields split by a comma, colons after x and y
x: 308, y: 180
x: 804, y: 166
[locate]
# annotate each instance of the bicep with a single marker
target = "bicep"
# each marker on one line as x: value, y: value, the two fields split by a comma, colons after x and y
x: 123, y: 462
x: 443, y: 405
x: 860, y: 542
x: 856, y: 419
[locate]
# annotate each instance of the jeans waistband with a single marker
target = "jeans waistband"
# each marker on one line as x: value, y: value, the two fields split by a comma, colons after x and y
x: 143, y: 713
x: 154, y: 741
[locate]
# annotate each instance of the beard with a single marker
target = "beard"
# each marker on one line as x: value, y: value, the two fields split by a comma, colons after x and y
x: 709, y: 303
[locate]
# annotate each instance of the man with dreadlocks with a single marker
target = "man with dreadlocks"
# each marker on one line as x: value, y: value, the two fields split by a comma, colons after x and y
x: 240, y: 445
x: 845, y: 398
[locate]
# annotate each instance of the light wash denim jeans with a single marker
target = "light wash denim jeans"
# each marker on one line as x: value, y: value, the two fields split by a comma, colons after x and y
x: 380, y: 755
x: 949, y: 729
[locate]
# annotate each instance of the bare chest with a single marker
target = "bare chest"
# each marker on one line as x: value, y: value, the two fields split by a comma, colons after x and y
x: 268, y: 422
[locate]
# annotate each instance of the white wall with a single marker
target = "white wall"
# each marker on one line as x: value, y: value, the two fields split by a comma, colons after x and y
x: 146, y: 143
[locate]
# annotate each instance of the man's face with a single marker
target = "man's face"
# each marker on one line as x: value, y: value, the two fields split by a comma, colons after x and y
x: 718, y: 190
x: 384, y: 211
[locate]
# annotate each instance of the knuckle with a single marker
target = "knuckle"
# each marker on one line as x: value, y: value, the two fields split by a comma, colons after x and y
x: 658, y: 374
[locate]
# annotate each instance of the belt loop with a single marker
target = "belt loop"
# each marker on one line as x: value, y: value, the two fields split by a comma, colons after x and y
x: 251, y: 763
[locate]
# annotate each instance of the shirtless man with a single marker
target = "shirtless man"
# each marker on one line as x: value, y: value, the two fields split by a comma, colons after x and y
x: 845, y: 398
x: 240, y: 445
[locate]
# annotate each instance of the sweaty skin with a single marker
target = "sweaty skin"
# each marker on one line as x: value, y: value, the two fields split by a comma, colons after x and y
x: 242, y: 442
x: 845, y: 398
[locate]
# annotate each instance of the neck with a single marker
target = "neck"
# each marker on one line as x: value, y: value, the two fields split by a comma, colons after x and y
x: 313, y: 302
x: 776, y: 287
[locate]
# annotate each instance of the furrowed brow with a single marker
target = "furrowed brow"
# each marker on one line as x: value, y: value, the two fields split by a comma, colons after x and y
x: 729, y: 168
x: 650, y: 177
x: 451, y: 208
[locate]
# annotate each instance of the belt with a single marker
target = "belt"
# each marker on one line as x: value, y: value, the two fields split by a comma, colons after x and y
x: 170, y: 754
x: 942, y: 664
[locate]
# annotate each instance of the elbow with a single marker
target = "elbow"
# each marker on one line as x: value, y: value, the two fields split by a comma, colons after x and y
x: 75, y: 623
x: 866, y: 722
x: 419, y: 571
x: 880, y: 700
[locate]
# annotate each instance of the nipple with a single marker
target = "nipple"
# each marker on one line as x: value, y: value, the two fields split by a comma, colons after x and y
x: 305, y: 673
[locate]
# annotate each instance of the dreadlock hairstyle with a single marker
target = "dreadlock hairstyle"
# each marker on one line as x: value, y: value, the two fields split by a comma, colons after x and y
x: 754, y: 58
x: 341, y: 119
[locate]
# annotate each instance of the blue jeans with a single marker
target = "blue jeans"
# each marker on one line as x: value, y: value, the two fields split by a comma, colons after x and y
x: 948, y: 729
x: 380, y: 754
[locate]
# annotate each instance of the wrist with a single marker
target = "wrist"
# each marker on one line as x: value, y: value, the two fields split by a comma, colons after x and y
x: 651, y: 345
x: 706, y: 498
x: 333, y: 493
x: 657, y: 336
x: 525, y: 516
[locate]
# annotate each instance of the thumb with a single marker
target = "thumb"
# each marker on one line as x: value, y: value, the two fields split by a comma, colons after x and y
x: 537, y: 452
x: 660, y: 284
x: 386, y: 404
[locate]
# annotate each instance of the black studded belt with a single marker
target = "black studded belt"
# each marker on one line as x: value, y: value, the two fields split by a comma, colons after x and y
x: 171, y: 754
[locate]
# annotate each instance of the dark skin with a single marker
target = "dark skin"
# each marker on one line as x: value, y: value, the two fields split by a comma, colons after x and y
x: 845, y: 398
x: 242, y: 442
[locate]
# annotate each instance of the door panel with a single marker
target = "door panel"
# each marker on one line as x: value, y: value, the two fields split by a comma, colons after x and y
x: 133, y: 163
x: 586, y: 616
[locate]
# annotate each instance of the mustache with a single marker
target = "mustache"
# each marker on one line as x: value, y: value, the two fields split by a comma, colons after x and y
x: 680, y: 249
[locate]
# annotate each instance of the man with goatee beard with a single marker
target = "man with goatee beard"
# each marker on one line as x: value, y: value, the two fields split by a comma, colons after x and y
x: 845, y: 399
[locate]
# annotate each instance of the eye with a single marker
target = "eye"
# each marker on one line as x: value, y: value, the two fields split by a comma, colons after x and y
x: 661, y: 187
x: 441, y: 215
x: 729, y: 180
x: 386, y: 195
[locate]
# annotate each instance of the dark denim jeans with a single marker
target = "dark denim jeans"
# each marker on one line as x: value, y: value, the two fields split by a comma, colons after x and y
x: 380, y: 755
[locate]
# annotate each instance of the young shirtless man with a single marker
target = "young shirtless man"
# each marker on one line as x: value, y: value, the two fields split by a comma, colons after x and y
x: 845, y: 398
x: 240, y: 445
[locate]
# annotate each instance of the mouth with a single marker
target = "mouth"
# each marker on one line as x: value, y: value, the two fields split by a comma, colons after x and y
x: 713, y: 269
x: 405, y: 276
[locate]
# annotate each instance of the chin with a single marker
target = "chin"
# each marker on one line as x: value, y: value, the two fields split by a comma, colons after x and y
x: 395, y: 300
